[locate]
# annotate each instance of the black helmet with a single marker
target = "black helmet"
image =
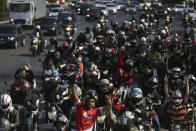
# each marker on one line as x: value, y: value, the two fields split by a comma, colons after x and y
x: 53, y: 40
x: 91, y: 94
x: 60, y: 121
x: 4, y: 124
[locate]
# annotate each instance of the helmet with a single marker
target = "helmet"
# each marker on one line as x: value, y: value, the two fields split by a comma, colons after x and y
x: 177, y: 97
x: 60, y: 121
x: 4, y: 124
x: 104, y: 82
x: 122, y: 33
x: 53, y: 40
x: 37, y: 27
x: 192, y: 80
x: 137, y: 95
x: 98, y: 26
x: 129, y: 62
x: 153, y: 82
x: 26, y: 86
x: 91, y: 94
x: 157, y: 37
x: 143, y: 39
x: 65, y: 44
x: 145, y: 24
x: 176, y: 72
x: 163, y: 32
x: 55, y: 80
x: 6, y: 103
x: 69, y: 18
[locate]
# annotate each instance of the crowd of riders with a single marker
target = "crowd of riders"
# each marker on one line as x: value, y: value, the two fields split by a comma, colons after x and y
x: 138, y: 75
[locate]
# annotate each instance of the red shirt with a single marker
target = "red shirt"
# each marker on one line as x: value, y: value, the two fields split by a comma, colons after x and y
x: 85, y: 118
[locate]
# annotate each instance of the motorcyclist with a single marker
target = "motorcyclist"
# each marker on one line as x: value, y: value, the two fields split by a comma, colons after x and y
x: 10, y: 112
x: 38, y: 34
x: 176, y: 111
x: 89, y: 36
x: 121, y: 123
x: 26, y: 72
x: 30, y: 102
x: 86, y: 112
x: 60, y: 122
x: 135, y: 102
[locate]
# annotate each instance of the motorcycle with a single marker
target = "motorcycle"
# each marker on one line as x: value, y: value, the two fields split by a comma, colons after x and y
x: 35, y: 43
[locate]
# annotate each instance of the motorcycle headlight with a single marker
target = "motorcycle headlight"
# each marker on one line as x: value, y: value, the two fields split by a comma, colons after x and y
x: 176, y: 9
x: 78, y: 9
x: 11, y: 38
x: 72, y: 4
x: 127, y: 9
x: 68, y: 29
x: 50, y: 14
x: 52, y: 28
x: 88, y: 15
x: 35, y: 41
x: 11, y: 20
x: 28, y: 20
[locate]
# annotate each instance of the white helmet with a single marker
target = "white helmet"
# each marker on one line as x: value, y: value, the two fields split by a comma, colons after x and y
x: 143, y: 39
x: 69, y: 18
x: 176, y: 72
x: 6, y: 103
x: 163, y: 32
x: 146, y: 24
x: 98, y: 25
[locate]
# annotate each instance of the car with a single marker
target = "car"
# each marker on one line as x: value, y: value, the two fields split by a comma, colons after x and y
x: 93, y: 14
x: 55, y: 11
x: 84, y: 8
x: 179, y: 8
x: 120, y: 5
x: 192, y: 13
x: 112, y: 8
x: 64, y: 16
x: 53, y: 5
x: 131, y: 9
x: 104, y: 10
x: 12, y: 36
x: 50, y: 26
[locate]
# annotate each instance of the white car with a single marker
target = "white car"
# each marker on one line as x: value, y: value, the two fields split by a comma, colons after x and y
x: 54, y: 12
x: 104, y: 10
x: 179, y: 8
x: 192, y: 13
x: 112, y: 8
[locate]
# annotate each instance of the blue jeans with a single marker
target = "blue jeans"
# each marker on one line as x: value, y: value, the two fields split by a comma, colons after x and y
x: 29, y: 123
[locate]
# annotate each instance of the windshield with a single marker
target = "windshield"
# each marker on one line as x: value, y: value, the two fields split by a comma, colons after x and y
x: 20, y: 7
x: 47, y: 21
x: 191, y: 11
x: 110, y: 5
x: 53, y: 6
x: 57, y: 10
x: 7, y: 30
x: 179, y: 7
x: 102, y: 8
